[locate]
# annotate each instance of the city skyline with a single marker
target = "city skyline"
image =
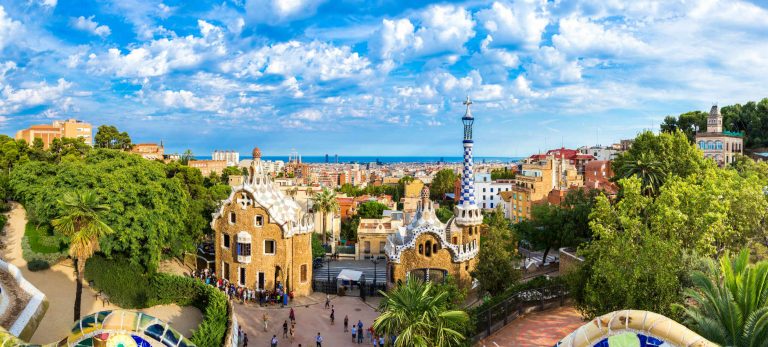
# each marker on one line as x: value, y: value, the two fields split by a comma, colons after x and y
x: 364, y: 79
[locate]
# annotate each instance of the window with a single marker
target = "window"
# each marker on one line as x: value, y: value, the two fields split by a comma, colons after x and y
x: 244, y: 249
x: 303, y: 273
x: 367, y: 247
x: 258, y: 221
x: 434, y: 248
x: 225, y: 240
x: 428, y: 248
x: 483, y: 189
x: 269, y: 247
x: 382, y: 246
x: 225, y: 269
x: 421, y: 249
x: 455, y: 240
x: 491, y: 190
x: 261, y: 280
x: 241, y: 279
x: 232, y: 218
x: 491, y: 205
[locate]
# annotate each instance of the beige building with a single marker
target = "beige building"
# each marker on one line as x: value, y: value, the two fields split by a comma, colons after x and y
x: 413, y: 189
x: 263, y: 238
x: 717, y: 144
x: 70, y: 128
x: 150, y: 151
x: 208, y: 166
x: 372, y: 236
x: 534, y: 182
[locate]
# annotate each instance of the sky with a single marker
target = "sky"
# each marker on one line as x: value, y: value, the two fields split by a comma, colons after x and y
x: 376, y: 77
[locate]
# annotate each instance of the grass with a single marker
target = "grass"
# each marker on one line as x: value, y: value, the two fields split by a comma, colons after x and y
x: 42, y: 240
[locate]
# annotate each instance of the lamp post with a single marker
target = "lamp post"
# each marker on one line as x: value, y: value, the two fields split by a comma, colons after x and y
x: 328, y: 271
x: 375, y: 273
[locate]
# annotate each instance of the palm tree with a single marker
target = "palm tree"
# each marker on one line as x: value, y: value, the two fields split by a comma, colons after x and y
x: 325, y: 202
x: 293, y: 191
x: 419, y: 314
x: 80, y: 221
x: 187, y: 156
x: 730, y: 304
x: 648, y: 169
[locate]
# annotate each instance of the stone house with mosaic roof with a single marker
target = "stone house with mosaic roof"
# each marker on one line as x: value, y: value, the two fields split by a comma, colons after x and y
x: 263, y: 237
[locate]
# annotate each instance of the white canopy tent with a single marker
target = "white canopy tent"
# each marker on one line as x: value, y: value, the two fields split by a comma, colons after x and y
x: 350, y: 275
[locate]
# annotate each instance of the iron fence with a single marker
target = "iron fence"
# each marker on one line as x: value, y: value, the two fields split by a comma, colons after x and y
x: 495, y: 317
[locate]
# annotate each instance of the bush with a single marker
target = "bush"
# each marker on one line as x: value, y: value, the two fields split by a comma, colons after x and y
x: 29, y: 255
x: 42, y: 240
x: 38, y: 265
x: 146, y: 290
x: 534, y: 283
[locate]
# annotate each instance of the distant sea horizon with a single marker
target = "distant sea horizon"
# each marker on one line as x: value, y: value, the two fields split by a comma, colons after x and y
x: 315, y: 159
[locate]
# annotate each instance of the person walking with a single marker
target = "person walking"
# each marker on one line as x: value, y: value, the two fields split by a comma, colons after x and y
x: 327, y: 301
x: 292, y: 315
x: 376, y: 341
x: 381, y: 341
x: 360, y: 332
x: 266, y: 320
x: 274, y: 341
x: 245, y: 339
x: 285, y: 329
x: 319, y: 340
x: 354, y: 330
x: 292, y: 332
x: 333, y: 315
x: 346, y: 323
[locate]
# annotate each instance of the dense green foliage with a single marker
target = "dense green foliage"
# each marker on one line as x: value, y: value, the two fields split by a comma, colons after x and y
x: 325, y: 202
x: 420, y: 315
x: 444, y: 214
x: 317, y: 246
x: 502, y: 174
x: 107, y: 136
x: 495, y: 269
x: 750, y: 118
x: 653, y: 158
x: 555, y: 226
x: 38, y: 265
x: 150, y: 206
x: 148, y: 290
x: 513, y: 289
x: 442, y: 183
x: 43, y: 240
x: 395, y: 191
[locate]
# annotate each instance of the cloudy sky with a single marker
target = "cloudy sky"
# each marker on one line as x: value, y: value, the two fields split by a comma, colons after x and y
x: 376, y: 77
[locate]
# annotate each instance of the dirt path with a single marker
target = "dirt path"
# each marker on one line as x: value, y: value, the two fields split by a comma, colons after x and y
x: 58, y: 284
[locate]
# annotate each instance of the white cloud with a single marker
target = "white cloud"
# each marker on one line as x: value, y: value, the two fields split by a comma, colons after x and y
x: 162, y: 56
x: 581, y: 37
x: 311, y: 115
x: 550, y: 65
x: 188, y: 100
x: 441, y: 29
x: 9, y: 28
x: 521, y: 23
x: 89, y: 25
x: 5, y: 67
x: 31, y: 94
x: 312, y: 61
x: 48, y: 3
x: 280, y: 11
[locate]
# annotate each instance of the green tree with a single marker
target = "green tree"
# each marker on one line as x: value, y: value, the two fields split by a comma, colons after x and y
x: 229, y: 171
x: 187, y: 156
x: 317, y: 247
x: 419, y: 314
x: 502, y: 174
x: 627, y: 265
x: 81, y: 221
x: 495, y: 269
x: 729, y: 304
x: 65, y: 146
x: 325, y: 202
x: 444, y: 214
x: 371, y: 209
x: 107, y: 136
x: 654, y: 158
x: 689, y: 123
x: 442, y: 183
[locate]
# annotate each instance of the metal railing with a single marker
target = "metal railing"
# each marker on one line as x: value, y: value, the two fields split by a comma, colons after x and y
x: 345, y: 249
x: 497, y: 316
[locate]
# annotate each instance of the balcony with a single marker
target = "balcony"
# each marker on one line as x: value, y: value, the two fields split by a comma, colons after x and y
x: 244, y: 259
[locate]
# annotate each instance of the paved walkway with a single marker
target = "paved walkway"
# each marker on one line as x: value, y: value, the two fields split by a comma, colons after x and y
x: 536, y: 329
x: 58, y: 284
x: 311, y: 318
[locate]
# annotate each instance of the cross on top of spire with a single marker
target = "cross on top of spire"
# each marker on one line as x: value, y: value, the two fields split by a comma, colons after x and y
x: 468, y: 102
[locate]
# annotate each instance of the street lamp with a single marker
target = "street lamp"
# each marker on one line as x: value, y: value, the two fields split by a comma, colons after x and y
x: 328, y: 271
x: 375, y: 275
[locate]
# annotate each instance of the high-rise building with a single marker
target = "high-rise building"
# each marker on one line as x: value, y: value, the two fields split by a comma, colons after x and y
x: 231, y: 157
x: 70, y: 128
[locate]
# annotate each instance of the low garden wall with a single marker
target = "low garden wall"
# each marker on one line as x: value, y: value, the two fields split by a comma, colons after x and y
x: 568, y: 260
x: 28, y: 320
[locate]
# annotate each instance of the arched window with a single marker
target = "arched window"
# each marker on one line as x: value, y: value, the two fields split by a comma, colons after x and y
x: 232, y: 218
x: 701, y: 145
x: 434, y: 248
x: 421, y: 249
x: 718, y: 144
x: 428, y: 248
x: 710, y: 145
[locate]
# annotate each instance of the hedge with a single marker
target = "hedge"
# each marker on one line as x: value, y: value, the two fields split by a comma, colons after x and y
x: 31, y: 256
x: 146, y: 290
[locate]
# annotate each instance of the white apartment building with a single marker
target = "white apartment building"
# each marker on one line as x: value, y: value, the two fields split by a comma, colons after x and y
x: 487, y: 191
x: 600, y: 152
x: 231, y: 157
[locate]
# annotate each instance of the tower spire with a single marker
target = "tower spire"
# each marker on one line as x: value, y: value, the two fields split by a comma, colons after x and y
x: 467, y: 211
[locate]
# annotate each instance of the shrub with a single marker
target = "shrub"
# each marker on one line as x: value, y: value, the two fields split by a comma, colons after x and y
x: 29, y: 255
x: 38, y: 264
x: 42, y: 240
x: 146, y: 290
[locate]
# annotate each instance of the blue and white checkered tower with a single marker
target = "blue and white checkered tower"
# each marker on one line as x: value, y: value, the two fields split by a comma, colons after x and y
x: 466, y: 211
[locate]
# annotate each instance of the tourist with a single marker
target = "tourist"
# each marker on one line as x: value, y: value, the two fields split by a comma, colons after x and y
x: 245, y: 339
x: 292, y: 332
x: 381, y: 341
x: 292, y: 315
x: 369, y: 333
x: 265, y: 319
x: 285, y: 329
x: 333, y: 314
x: 327, y: 301
x: 274, y: 340
x: 319, y: 340
x: 346, y: 323
x: 376, y: 341
x: 354, y: 330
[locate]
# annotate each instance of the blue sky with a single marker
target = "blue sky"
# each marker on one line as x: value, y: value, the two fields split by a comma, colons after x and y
x: 376, y: 77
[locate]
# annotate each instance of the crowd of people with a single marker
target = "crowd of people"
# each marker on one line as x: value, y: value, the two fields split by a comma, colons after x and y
x: 243, y: 294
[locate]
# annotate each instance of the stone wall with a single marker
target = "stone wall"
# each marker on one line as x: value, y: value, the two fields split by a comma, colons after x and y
x: 410, y: 259
x: 26, y: 324
x: 568, y: 260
